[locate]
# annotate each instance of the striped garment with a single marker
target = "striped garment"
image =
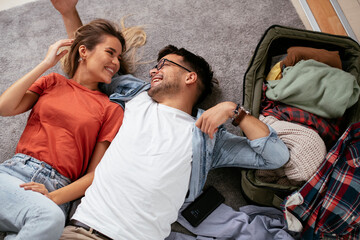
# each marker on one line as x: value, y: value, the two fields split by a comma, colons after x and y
x: 329, y: 203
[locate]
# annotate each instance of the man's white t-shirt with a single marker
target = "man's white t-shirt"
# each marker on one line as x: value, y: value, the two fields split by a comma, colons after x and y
x: 142, y: 180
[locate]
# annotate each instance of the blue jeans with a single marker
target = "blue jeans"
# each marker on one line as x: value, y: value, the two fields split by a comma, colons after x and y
x: 26, y: 214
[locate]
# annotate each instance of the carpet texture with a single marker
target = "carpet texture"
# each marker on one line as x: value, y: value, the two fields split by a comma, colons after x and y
x: 223, y: 32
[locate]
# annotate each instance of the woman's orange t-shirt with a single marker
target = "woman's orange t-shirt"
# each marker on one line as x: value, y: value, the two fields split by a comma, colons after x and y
x: 66, y: 122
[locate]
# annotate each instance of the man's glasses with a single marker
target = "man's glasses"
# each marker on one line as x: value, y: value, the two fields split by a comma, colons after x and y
x: 162, y: 62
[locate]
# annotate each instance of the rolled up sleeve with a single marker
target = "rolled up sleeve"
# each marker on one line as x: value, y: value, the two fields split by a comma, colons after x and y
x: 268, y: 152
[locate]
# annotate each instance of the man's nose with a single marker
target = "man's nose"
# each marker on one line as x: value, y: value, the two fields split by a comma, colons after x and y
x: 153, y: 71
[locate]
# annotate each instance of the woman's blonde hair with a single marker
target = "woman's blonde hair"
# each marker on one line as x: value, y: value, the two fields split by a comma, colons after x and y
x: 135, y: 37
x: 92, y: 34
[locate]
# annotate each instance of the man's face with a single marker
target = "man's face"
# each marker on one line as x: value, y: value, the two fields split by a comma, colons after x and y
x: 167, y: 81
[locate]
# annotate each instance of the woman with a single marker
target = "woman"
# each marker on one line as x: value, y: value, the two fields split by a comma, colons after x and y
x: 69, y: 128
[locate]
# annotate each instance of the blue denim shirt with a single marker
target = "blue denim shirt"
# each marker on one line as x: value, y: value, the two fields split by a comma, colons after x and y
x: 224, y: 150
x: 229, y: 150
x: 123, y: 88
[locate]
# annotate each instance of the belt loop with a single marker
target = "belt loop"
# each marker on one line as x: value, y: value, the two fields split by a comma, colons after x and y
x: 26, y: 159
x: 53, y: 173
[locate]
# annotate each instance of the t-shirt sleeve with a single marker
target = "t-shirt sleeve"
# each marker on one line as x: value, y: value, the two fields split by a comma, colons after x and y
x: 42, y: 83
x: 113, y: 118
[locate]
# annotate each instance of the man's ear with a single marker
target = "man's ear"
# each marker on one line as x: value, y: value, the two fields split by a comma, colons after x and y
x: 191, y: 78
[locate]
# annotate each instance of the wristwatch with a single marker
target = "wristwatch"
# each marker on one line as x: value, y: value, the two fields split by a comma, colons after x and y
x: 239, y: 113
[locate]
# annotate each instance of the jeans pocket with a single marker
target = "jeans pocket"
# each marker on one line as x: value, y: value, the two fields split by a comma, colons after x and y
x: 51, y: 184
x: 9, y: 162
x: 58, y: 184
x: 54, y: 184
x: 9, y: 166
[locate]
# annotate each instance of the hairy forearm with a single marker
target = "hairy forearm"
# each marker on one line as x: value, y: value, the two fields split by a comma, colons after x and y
x: 253, y: 128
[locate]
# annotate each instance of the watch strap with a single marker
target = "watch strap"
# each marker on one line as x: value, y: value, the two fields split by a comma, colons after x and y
x: 239, y: 113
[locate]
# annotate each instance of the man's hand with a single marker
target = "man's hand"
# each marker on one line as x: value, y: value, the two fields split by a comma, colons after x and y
x: 212, y: 118
x: 65, y: 7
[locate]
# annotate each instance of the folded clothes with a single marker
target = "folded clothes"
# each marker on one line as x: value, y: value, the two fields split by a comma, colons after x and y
x: 328, y: 129
x: 275, y: 73
x: 315, y: 87
x: 307, y: 149
x: 295, y: 54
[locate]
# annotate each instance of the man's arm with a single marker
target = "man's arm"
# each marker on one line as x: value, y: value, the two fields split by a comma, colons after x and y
x: 209, y: 121
x: 261, y: 149
x: 71, y: 18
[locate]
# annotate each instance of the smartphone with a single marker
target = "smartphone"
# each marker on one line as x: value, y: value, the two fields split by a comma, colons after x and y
x: 202, y: 206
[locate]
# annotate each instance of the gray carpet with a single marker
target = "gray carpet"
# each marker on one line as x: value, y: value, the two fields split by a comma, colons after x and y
x: 224, y: 32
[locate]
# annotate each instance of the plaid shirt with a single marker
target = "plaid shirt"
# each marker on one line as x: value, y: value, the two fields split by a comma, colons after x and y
x: 332, y: 196
x: 328, y: 129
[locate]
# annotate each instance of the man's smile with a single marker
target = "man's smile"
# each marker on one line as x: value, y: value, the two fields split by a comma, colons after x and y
x: 156, y: 79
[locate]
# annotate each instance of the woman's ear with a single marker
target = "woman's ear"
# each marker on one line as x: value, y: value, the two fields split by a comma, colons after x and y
x: 82, y: 51
x: 191, y: 78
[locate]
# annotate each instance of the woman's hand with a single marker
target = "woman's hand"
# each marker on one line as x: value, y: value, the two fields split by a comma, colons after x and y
x: 212, y: 118
x: 54, y: 55
x: 36, y: 187
x: 64, y: 6
x: 67, y: 9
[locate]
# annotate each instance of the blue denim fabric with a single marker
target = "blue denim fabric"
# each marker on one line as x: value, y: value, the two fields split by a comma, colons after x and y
x: 229, y: 150
x: 124, y: 87
x: 25, y: 213
x: 224, y: 150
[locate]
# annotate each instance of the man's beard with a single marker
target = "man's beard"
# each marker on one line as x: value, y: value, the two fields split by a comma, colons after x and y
x: 158, y: 92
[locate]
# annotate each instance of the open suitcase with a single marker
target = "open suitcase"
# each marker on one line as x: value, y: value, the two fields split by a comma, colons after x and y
x: 275, y: 41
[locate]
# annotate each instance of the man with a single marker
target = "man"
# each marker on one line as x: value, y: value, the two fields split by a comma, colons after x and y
x: 162, y: 154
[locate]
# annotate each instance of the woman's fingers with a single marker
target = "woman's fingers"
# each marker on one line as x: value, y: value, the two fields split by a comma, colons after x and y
x: 53, y: 55
x: 36, y: 187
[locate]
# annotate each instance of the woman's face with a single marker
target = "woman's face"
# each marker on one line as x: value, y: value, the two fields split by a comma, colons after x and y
x: 104, y: 60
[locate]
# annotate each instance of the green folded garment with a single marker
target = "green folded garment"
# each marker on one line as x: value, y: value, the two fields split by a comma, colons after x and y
x: 315, y: 87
